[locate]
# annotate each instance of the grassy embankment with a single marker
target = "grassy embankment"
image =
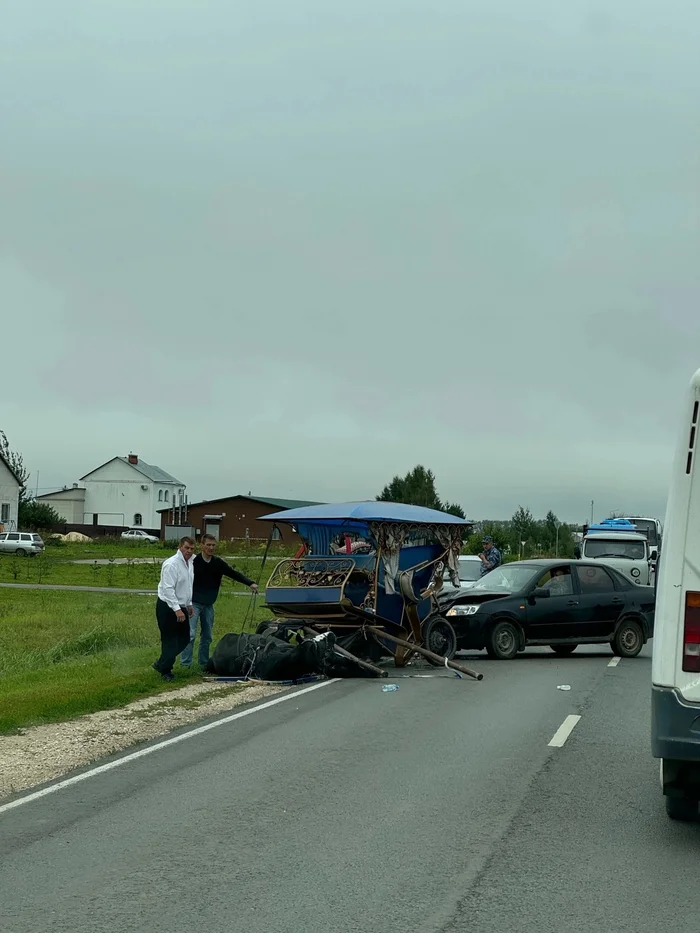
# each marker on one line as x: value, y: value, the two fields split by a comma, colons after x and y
x: 64, y: 654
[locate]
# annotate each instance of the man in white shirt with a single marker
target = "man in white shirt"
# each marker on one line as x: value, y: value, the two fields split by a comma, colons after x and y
x: 174, y: 606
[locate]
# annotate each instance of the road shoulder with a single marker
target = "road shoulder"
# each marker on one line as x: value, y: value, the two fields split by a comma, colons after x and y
x: 43, y: 753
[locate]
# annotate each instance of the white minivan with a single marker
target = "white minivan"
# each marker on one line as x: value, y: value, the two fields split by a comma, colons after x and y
x: 675, y: 700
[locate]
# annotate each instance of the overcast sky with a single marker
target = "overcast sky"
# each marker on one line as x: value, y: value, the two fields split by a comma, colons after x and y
x: 299, y: 247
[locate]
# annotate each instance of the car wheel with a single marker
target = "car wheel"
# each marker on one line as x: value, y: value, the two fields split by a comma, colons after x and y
x: 628, y: 640
x: 563, y: 649
x: 681, y: 808
x: 439, y: 637
x: 20, y: 552
x: 503, y: 641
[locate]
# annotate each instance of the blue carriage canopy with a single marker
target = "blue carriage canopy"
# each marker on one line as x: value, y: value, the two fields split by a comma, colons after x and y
x: 389, y: 526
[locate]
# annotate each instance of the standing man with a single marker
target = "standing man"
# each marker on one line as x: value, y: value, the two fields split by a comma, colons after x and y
x: 490, y: 557
x: 174, y: 606
x: 209, y: 570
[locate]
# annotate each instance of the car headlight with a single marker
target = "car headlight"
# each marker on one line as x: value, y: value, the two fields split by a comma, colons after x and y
x: 462, y: 610
x: 635, y: 571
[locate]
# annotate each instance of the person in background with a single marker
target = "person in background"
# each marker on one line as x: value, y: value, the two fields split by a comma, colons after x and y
x: 209, y: 570
x: 174, y: 606
x: 490, y: 557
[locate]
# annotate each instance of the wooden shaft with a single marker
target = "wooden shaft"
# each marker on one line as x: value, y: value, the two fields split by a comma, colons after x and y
x: 381, y: 634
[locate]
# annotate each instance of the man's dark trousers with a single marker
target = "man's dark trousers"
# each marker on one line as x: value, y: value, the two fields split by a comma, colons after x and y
x: 174, y: 636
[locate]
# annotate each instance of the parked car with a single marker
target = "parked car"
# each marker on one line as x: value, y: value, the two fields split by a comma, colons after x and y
x: 560, y: 603
x: 138, y: 534
x: 21, y: 543
x: 469, y: 568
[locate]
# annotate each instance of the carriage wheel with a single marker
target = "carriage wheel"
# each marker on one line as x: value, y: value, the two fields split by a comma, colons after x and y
x: 439, y: 637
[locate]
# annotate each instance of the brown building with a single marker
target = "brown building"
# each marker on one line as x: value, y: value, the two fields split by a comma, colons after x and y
x: 231, y: 517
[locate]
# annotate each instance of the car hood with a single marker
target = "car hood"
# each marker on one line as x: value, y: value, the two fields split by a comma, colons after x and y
x: 469, y: 596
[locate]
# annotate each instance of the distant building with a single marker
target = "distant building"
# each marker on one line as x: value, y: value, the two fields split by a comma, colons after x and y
x: 232, y: 517
x: 69, y: 502
x: 9, y: 496
x: 125, y: 492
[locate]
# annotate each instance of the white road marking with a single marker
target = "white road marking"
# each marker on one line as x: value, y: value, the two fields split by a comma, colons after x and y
x: 111, y: 765
x: 562, y: 733
x: 614, y: 662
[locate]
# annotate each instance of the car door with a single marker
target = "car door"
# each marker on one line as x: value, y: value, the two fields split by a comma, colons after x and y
x: 553, y: 618
x: 3, y: 542
x: 600, y: 601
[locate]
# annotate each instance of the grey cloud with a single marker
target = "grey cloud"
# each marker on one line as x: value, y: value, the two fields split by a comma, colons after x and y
x: 297, y: 248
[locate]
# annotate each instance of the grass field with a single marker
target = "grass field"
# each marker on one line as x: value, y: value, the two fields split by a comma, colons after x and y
x: 64, y: 654
x: 47, y: 568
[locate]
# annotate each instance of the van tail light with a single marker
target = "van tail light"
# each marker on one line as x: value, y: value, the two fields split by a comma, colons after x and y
x: 691, y: 633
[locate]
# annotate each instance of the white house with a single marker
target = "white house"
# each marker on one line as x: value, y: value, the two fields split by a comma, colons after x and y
x: 9, y: 496
x: 127, y: 491
x: 69, y: 502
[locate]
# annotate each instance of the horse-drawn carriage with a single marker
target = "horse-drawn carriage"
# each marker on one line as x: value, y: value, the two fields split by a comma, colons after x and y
x: 370, y: 572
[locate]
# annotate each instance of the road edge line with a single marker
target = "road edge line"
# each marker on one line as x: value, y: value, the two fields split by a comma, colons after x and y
x: 166, y: 743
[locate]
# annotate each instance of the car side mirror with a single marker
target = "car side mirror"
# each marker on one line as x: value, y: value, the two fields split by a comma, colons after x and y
x: 540, y: 592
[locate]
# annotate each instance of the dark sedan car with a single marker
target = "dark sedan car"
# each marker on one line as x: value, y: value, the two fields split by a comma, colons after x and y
x: 560, y: 603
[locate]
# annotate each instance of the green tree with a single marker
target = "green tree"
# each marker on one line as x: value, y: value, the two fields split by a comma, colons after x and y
x: 523, y: 528
x: 499, y: 533
x: 453, y: 509
x: 16, y: 462
x: 38, y: 516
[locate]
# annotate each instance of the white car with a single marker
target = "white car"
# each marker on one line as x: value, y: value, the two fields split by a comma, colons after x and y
x: 469, y: 567
x: 138, y: 534
x: 21, y: 543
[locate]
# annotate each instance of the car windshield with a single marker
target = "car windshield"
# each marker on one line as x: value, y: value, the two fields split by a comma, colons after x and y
x: 469, y: 570
x: 606, y: 547
x: 509, y: 579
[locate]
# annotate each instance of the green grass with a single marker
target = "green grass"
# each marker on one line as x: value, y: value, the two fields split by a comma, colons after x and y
x: 47, y: 568
x: 64, y: 654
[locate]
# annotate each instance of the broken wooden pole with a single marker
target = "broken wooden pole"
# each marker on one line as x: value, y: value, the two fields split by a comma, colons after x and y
x: 381, y: 634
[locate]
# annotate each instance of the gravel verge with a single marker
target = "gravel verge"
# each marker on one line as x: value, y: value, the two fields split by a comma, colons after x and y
x: 43, y: 753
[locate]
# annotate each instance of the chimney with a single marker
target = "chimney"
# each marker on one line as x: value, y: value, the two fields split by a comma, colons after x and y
x: 133, y: 459
x: 75, y: 485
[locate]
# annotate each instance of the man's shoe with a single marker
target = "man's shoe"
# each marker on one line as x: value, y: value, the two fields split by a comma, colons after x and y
x: 168, y: 677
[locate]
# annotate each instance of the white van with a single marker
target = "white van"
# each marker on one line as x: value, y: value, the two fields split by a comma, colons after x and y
x: 625, y: 551
x: 675, y: 706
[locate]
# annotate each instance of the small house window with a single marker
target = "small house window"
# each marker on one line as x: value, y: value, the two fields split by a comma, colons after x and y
x: 166, y: 495
x: 5, y: 514
x: 160, y: 495
x: 138, y: 520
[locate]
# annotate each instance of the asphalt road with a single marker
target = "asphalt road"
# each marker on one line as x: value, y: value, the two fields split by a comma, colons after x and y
x: 440, y: 807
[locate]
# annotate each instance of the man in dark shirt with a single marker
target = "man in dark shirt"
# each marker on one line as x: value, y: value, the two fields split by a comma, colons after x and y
x: 209, y: 570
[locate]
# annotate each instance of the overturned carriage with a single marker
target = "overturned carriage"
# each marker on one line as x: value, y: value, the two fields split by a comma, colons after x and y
x: 366, y: 566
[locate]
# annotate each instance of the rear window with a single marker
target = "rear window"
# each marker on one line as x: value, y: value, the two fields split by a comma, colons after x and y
x: 36, y: 538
